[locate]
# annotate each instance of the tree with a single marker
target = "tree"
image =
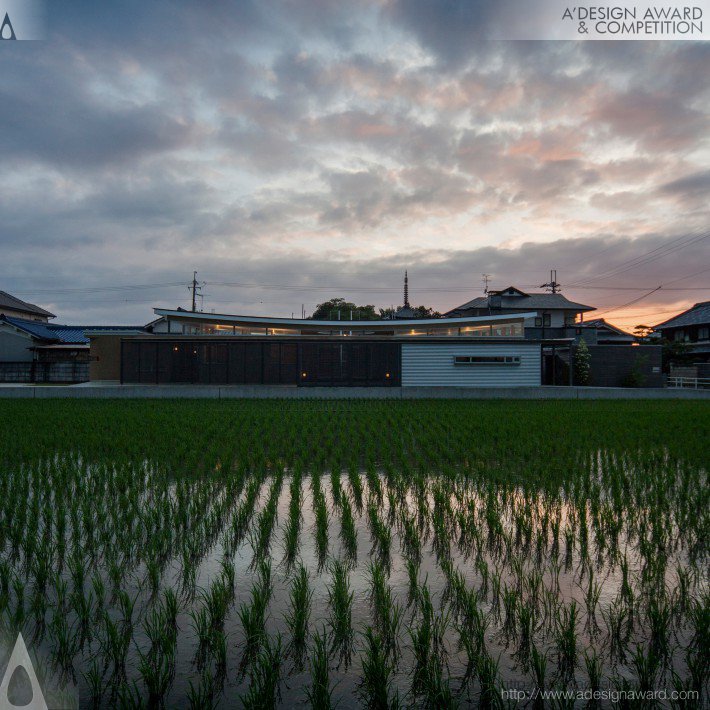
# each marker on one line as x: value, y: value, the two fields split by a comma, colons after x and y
x: 642, y: 331
x: 582, y: 363
x: 675, y: 352
x: 340, y: 309
x: 419, y: 312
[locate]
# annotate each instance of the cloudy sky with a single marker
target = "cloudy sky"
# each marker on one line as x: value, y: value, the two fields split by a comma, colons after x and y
x: 299, y: 150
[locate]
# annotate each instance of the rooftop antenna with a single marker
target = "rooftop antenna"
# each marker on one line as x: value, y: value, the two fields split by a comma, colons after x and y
x: 485, y: 278
x: 552, y: 286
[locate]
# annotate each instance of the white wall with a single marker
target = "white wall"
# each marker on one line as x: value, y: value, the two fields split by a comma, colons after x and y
x: 14, y: 347
x: 425, y: 364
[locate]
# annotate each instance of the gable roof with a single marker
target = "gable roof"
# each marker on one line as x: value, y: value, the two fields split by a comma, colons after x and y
x: 526, y: 301
x: 601, y: 323
x: 15, y: 304
x: 57, y: 333
x: 699, y: 314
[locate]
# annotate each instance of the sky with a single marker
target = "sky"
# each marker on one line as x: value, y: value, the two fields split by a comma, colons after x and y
x: 297, y: 151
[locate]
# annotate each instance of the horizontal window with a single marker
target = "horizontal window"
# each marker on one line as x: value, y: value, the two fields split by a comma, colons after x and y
x: 486, y: 359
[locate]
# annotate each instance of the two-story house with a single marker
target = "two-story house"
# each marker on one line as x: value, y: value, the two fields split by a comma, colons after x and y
x: 555, y: 315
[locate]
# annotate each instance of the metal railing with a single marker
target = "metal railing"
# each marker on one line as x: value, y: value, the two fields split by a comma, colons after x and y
x: 691, y: 382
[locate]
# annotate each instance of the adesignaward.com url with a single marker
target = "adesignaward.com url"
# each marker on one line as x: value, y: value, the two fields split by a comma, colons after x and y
x: 609, y: 695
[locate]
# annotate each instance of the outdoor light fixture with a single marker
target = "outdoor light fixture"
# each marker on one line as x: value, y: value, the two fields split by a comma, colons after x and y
x: 387, y: 375
x: 175, y: 348
x: 303, y: 374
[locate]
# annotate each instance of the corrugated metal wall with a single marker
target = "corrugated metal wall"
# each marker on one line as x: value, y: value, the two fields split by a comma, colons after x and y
x: 425, y: 364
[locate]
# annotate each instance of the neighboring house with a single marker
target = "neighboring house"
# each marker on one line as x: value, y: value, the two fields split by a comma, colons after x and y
x: 33, y: 351
x: 606, y: 333
x: 691, y: 327
x: 15, y: 308
x: 555, y: 315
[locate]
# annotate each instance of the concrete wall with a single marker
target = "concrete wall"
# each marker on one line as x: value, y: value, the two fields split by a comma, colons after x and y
x: 283, y: 392
x: 611, y: 365
x: 105, y: 353
x: 433, y: 365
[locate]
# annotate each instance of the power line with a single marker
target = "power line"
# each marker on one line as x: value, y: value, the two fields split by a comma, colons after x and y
x: 630, y: 303
x: 646, y: 258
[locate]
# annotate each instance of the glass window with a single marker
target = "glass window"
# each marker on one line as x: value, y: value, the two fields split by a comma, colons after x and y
x: 486, y: 359
x: 546, y: 320
x: 538, y: 322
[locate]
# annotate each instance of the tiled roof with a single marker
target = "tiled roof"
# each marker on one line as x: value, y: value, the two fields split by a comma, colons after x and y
x: 56, y: 333
x: 699, y: 314
x: 15, y: 304
x: 601, y: 323
x: 529, y: 302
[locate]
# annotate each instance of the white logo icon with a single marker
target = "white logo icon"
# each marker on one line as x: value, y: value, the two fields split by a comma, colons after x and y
x: 21, y: 658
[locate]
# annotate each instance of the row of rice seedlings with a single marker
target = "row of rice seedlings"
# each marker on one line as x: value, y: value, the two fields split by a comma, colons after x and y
x: 321, y: 516
x: 348, y: 531
x: 293, y: 525
x: 386, y: 612
x: 267, y: 519
x: 340, y: 599
x: 253, y: 615
x: 298, y: 615
x: 381, y: 533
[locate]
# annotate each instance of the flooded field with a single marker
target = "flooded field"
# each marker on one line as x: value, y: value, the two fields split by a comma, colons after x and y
x: 362, y: 554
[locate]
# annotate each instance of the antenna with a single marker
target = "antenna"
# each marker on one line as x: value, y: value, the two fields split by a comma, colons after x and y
x: 552, y: 286
x: 485, y: 278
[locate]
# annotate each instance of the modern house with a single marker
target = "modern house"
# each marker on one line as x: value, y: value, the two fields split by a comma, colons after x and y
x: 602, y: 333
x: 201, y: 348
x: 691, y: 327
x: 15, y: 308
x: 552, y: 314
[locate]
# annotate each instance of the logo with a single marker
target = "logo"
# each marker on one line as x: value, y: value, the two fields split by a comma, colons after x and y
x: 22, y: 19
x: 20, y: 658
x: 7, y: 31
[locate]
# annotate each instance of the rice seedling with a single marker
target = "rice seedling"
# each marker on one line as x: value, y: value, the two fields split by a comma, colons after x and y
x: 320, y: 691
x: 377, y: 672
x: 264, y: 677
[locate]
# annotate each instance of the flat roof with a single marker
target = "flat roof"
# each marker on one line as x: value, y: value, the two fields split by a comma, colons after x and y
x: 307, y: 324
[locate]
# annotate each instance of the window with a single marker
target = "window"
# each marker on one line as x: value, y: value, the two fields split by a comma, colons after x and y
x: 486, y: 359
x: 569, y: 319
x: 703, y: 333
x: 538, y: 322
x: 679, y: 335
x: 546, y: 320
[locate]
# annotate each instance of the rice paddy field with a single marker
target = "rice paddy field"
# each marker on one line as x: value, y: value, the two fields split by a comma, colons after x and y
x: 374, y: 554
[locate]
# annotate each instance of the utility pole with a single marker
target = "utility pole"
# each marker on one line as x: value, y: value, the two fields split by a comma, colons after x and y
x: 552, y: 286
x: 195, y: 288
x: 485, y: 278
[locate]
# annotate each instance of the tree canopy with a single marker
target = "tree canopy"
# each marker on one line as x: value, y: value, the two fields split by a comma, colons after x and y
x: 329, y: 310
x: 340, y: 309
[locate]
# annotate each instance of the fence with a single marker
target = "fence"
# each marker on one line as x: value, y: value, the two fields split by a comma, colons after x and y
x: 44, y: 372
x: 692, y: 382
